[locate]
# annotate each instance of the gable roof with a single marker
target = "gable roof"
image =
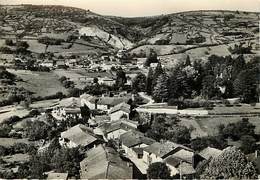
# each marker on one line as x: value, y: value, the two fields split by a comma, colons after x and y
x: 88, y: 97
x: 112, y: 101
x: 209, y: 152
x: 133, y: 138
x: 164, y: 149
x: 70, y: 102
x: 79, y: 134
x: 113, y: 126
x: 122, y: 106
x: 104, y: 163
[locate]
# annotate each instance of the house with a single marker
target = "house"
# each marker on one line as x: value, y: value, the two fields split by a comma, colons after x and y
x: 47, y: 63
x: 60, y: 64
x: 89, y: 101
x: 104, y: 163
x: 120, y: 110
x: 102, y: 103
x: 105, y: 103
x: 69, y: 107
x: 79, y: 135
x: 113, y: 130
x: 134, y: 139
x: 172, y: 154
x: 60, y: 176
x: 107, y: 81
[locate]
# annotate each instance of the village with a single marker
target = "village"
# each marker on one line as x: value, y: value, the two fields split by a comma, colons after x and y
x: 84, y: 101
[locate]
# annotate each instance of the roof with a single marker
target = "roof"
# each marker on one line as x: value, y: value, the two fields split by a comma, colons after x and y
x: 72, y: 110
x: 209, y: 152
x: 70, y: 102
x: 53, y: 175
x: 133, y: 138
x: 163, y: 149
x: 138, y: 150
x: 104, y: 163
x: 112, y: 101
x: 186, y: 169
x: 115, y: 125
x: 184, y: 155
x: 122, y: 106
x: 79, y: 134
x: 88, y: 97
x: 173, y: 161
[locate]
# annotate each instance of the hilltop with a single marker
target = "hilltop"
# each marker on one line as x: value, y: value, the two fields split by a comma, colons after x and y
x: 107, y: 33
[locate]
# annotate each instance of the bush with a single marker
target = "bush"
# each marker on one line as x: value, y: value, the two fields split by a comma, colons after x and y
x: 9, y: 42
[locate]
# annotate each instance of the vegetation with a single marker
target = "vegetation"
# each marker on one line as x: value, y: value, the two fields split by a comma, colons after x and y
x: 158, y: 170
x: 232, y: 163
x: 164, y: 128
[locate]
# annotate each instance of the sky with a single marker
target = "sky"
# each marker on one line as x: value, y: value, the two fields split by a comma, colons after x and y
x: 132, y: 8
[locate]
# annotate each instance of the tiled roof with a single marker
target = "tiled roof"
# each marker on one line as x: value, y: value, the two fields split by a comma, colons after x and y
x: 104, y: 163
x: 70, y: 102
x: 186, y: 169
x: 163, y: 149
x: 79, y: 135
x: 209, y: 152
x: 133, y: 138
x: 122, y: 106
x: 184, y: 155
x: 112, y: 101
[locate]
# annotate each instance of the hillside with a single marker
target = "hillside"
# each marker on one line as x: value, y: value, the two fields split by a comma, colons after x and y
x: 176, y: 32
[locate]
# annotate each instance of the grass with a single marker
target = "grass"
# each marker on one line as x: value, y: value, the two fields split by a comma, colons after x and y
x: 40, y: 83
x: 9, y: 142
x: 210, y: 124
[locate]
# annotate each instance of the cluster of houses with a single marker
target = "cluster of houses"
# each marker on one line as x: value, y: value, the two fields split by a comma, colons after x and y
x: 114, y: 125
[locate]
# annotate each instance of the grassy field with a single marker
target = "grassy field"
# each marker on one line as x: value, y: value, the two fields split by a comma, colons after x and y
x: 210, y: 124
x: 40, y: 83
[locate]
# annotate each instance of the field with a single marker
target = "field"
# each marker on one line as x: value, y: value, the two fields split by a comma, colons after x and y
x: 40, y: 83
x: 8, y: 142
x: 210, y: 124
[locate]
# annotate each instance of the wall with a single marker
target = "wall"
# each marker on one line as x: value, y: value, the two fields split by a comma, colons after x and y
x: 115, y: 134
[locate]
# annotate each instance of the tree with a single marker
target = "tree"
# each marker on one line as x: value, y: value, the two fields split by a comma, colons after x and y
x: 160, y: 92
x: 208, y: 87
x: 237, y: 130
x: 67, y: 160
x: 158, y: 170
x: 245, y: 86
x: 179, y: 134
x: 120, y: 78
x: 149, y: 82
x: 95, y: 80
x: 188, y: 62
x: 9, y: 42
x: 138, y: 84
x: 151, y: 57
x: 37, y: 130
x: 232, y: 163
x: 157, y: 72
x: 201, y: 143
x: 85, y: 113
x: 248, y: 144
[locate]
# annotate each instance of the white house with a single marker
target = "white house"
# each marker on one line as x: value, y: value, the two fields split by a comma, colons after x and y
x: 120, y: 110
